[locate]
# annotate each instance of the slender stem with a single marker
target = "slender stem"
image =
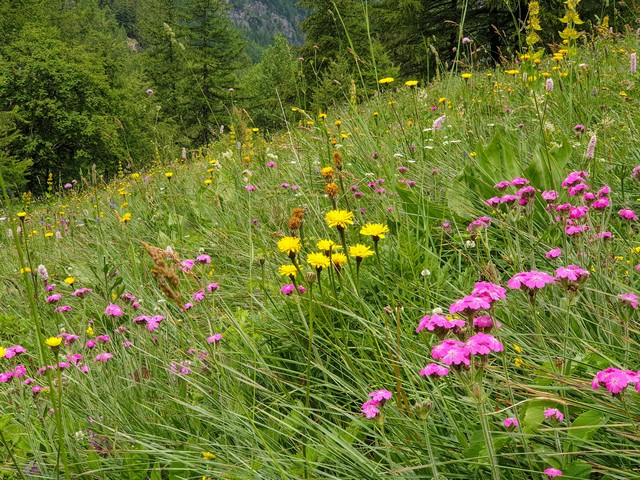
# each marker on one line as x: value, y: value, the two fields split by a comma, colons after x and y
x: 432, y: 460
x: 486, y: 432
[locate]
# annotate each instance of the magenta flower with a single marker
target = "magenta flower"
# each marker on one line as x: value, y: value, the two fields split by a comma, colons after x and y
x: 493, y: 201
x: 187, y: 265
x: 469, y: 305
x: 578, y: 189
x: 578, y: 212
x: 550, y: 195
x: 54, y: 298
x: 154, y: 322
x: 526, y: 192
x: 50, y: 288
x: 81, y: 292
x: 575, y: 178
x: 510, y: 422
x: 198, y: 296
x: 532, y: 280
x: 434, y: 370
x: 74, y: 358
x: 288, y: 289
x: 576, y: 229
x: 439, y: 324
x: 103, y: 357
x: 451, y: 352
x: 370, y: 409
x: 62, y: 308
x: 14, y: 351
x: 215, y: 338
x: 508, y: 199
x: 212, y: 287
x: 90, y: 344
x: 630, y: 299
x: 482, y: 222
x: 615, y: 380
x: 482, y: 344
x: 627, y: 214
x: 380, y: 396
x: 113, y: 310
x: 553, y: 253
x: 601, y: 203
x: 271, y: 164
x: 484, y: 323
x: 553, y: 414
x: 571, y: 275
x: 491, y: 292
x: 519, y: 182
x: 250, y: 188
x: 186, y: 306
x: 553, y: 472
x: 203, y: 258
x: 502, y: 185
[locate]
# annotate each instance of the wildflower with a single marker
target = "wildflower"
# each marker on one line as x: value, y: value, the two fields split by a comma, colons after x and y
x: 469, y: 305
x: 327, y: 245
x: 553, y: 472
x: 370, y: 409
x: 53, y: 342
x: 574, y: 178
x: 466, y: 76
x: 374, y: 230
x: 571, y: 275
x: 339, y: 260
x: 103, y: 357
x: 327, y: 173
x: 553, y: 253
x: 482, y: 344
x: 288, y: 270
x: 439, y: 324
x: 519, y: 182
x: 69, y: 280
x: 125, y: 218
x: 62, y: 308
x: 54, y: 298
x: 359, y: 251
x: 466, y: 40
x: 438, y: 123
x: 168, y: 175
x: 318, y: 261
x: 186, y: 306
x: 331, y: 189
x: 208, y: 455
x: 510, y: 422
x: 288, y: 289
x: 549, y: 195
x: 601, y: 203
x: 532, y: 280
x: 502, y: 185
x: 386, y: 80
x: 198, y: 296
x: 81, y: 292
x: 591, y: 147
x: 12, y: 351
x: 633, y: 63
x: 380, y: 396
x: 549, y: 85
x: 553, y: 414
x: 484, y: 323
x: 628, y: 214
x: 339, y: 219
x: 290, y: 245
x: 451, y: 352
x: 113, y: 310
x: 203, y: 258
x: 482, y: 222
x: 215, y: 338
x: 615, y: 380
x: 630, y: 299
x: 411, y: 83
x: 434, y: 370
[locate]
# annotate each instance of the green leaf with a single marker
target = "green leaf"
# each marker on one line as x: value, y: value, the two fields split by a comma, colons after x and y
x: 580, y: 426
x: 577, y: 469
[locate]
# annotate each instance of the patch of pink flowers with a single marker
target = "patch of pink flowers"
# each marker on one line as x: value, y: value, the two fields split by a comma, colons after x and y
x: 616, y: 380
x: 371, y: 408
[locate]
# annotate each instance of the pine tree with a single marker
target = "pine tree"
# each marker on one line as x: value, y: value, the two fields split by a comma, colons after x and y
x: 213, y: 51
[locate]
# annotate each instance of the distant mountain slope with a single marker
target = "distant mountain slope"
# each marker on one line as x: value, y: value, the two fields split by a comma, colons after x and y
x: 262, y: 20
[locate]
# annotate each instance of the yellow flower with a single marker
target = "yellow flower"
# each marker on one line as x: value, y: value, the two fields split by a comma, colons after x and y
x: 375, y: 230
x: 384, y: 81
x: 90, y: 331
x: 327, y: 172
x: 207, y: 181
x: 48, y: 235
x: 360, y: 251
x: 512, y: 72
x: 518, y: 362
x: 69, y: 280
x: 442, y: 99
x: 327, y: 245
x: 135, y: 176
x: 288, y: 270
x: 318, y: 260
x: 339, y: 219
x: 168, y: 174
x: 21, y: 215
x: 3, y: 352
x: 322, y: 116
x: 25, y: 270
x: 411, y: 83
x: 255, y: 130
x: 290, y: 245
x: 339, y: 260
x: 466, y: 76
x: 337, y: 123
x: 208, y: 456
x: 53, y: 342
x: 517, y: 348
x: 125, y: 218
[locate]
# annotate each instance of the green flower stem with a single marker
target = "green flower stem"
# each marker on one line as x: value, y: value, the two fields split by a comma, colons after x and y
x: 486, y: 431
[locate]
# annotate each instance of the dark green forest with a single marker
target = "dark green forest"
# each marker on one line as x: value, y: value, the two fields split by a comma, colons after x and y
x: 106, y: 86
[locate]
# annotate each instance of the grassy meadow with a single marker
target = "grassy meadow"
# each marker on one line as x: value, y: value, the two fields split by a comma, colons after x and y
x: 439, y: 283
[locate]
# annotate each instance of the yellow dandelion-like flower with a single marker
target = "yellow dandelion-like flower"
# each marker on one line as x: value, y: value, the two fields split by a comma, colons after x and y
x: 442, y: 99
x: 21, y: 215
x: 25, y: 270
x: 53, y: 342
x: 327, y: 172
x: 411, y: 83
x: 327, y: 245
x: 69, y: 280
x: 208, y: 181
x: 360, y: 251
x: 339, y: 219
x: 386, y: 80
x: 125, y: 218
x: 339, y: 260
x: 288, y: 270
x: 3, y: 352
x: 168, y: 175
x: 374, y: 230
x: 318, y: 260
x: 290, y: 245
x: 466, y: 76
x: 48, y: 235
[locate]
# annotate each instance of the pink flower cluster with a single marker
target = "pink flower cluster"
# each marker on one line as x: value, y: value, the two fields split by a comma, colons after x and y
x: 616, y: 380
x: 371, y: 408
x: 525, y: 194
x: 530, y: 281
x: 152, y: 322
x: 571, y: 276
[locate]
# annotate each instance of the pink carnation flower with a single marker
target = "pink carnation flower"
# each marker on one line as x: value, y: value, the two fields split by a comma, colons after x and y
x: 113, y: 310
x: 553, y: 414
x: 103, y: 357
x: 451, y: 352
x: 615, y: 380
x: 54, y: 298
x: 489, y: 291
x: 553, y: 253
x: 434, y: 370
x: 215, y: 338
x: 627, y: 214
x: 482, y: 344
x: 510, y: 422
x: 469, y: 305
x: 532, y: 280
x: 370, y: 409
x: 553, y: 472
x: 204, y: 258
x: 630, y: 299
x: 439, y: 324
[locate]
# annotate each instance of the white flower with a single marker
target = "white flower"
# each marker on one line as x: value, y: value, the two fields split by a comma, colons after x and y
x: 470, y: 244
x: 436, y: 311
x: 425, y: 273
